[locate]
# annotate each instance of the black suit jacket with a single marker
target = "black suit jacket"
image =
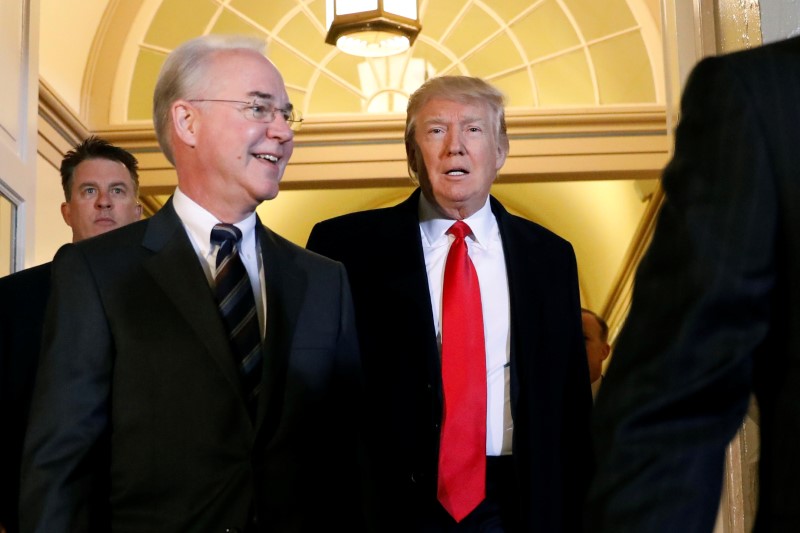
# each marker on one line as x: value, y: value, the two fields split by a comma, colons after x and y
x: 715, y: 311
x: 138, y: 397
x: 550, y: 394
x: 23, y: 298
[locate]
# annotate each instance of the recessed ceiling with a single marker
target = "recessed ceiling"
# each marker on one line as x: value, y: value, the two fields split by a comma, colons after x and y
x: 600, y: 59
x: 527, y: 49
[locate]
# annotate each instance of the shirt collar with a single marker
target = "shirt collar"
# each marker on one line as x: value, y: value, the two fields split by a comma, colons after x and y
x: 434, y: 227
x: 199, y: 222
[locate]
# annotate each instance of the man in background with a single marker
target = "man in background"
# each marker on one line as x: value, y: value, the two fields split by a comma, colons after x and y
x: 715, y: 313
x: 595, y: 334
x: 461, y: 305
x: 200, y: 372
x: 101, y: 190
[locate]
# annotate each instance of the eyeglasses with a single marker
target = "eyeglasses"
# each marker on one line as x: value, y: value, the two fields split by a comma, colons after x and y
x: 265, y: 113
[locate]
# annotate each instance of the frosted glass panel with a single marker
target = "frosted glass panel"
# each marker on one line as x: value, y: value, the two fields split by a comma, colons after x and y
x: 404, y: 8
x: 345, y: 7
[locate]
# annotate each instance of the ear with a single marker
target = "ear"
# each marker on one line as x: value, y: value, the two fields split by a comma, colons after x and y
x: 185, y: 121
x: 500, y: 158
x: 411, y: 155
x: 138, y: 210
x: 606, y: 351
x: 66, y: 214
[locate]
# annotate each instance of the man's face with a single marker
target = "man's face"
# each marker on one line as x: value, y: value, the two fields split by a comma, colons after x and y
x: 457, y: 156
x: 103, y: 197
x: 241, y: 161
x: 596, y: 349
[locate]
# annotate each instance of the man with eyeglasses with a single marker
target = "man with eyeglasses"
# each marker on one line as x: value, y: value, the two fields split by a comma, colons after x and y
x: 153, y: 391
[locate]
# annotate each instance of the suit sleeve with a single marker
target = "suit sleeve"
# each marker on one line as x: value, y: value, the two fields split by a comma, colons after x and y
x: 62, y: 457
x: 679, y: 381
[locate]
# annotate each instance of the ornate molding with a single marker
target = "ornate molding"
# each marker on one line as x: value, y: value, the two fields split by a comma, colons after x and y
x: 59, y: 126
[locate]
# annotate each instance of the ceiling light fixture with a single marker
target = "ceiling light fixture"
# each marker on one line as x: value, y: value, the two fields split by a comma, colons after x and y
x: 372, y: 28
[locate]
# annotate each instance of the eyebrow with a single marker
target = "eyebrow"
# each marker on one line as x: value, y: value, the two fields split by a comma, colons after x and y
x: 259, y: 94
x: 96, y: 185
x: 268, y: 96
x: 465, y: 120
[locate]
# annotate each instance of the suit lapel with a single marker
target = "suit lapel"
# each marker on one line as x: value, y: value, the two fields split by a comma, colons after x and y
x: 405, y: 263
x: 176, y: 269
x: 286, y: 285
x: 525, y: 285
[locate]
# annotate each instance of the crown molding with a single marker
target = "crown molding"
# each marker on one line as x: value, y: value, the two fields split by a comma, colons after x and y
x: 59, y: 127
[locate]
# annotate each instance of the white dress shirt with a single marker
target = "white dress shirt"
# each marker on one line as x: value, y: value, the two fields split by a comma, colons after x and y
x: 486, y: 252
x: 198, y: 223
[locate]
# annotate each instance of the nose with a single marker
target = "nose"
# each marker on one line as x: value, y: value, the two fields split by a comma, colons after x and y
x: 454, y: 144
x: 103, y: 200
x: 279, y: 129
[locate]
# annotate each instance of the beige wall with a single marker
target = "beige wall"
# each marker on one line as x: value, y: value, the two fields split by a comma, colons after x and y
x: 19, y: 38
x: 51, y: 231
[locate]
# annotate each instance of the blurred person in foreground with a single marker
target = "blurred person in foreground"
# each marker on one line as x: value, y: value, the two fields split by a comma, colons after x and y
x: 200, y: 372
x: 488, y: 355
x: 714, y: 314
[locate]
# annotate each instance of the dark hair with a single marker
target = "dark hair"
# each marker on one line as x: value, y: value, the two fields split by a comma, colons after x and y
x: 96, y: 148
x: 603, y: 324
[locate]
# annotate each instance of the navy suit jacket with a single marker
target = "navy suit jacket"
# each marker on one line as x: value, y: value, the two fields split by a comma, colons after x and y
x: 23, y: 298
x: 715, y: 312
x: 138, y: 397
x: 550, y: 393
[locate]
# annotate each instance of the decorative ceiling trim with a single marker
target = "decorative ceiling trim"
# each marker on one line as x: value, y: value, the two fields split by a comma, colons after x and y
x: 59, y: 127
x: 625, y: 142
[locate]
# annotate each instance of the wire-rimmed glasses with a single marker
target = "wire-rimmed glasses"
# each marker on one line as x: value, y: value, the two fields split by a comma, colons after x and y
x: 265, y: 113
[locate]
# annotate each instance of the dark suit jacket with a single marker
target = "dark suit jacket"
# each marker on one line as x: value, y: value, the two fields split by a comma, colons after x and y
x: 715, y: 311
x: 137, y: 394
x: 550, y: 394
x: 23, y: 298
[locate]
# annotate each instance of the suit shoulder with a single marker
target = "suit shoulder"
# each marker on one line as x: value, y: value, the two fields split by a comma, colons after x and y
x: 531, y: 230
x: 340, y: 236
x: 300, y: 254
x: 25, y: 286
x: 115, y: 239
x: 33, y: 275
x: 358, y: 221
x: 759, y: 66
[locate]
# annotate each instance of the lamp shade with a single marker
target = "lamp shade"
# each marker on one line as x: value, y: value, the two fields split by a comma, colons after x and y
x: 372, y: 28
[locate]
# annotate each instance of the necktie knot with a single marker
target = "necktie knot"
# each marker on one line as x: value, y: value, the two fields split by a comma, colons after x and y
x: 226, y: 236
x: 460, y: 229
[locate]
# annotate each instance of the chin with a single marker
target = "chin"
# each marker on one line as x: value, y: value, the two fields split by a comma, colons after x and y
x: 268, y: 194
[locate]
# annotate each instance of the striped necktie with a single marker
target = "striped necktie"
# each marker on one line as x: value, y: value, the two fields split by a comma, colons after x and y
x: 237, y: 305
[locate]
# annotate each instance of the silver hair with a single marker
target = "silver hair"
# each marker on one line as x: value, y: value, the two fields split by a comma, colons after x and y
x: 184, y: 73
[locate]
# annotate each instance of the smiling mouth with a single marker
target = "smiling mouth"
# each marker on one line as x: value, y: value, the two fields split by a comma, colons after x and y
x: 267, y: 157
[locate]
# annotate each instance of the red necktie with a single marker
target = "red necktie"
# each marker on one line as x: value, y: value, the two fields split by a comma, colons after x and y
x: 462, y: 448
